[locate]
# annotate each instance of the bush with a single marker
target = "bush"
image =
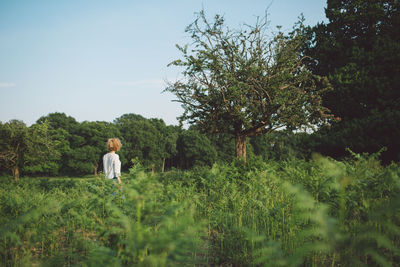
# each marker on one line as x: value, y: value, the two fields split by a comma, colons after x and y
x: 320, y: 212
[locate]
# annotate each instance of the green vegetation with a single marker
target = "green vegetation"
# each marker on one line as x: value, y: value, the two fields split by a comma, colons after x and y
x: 187, y: 201
x: 289, y: 213
x: 247, y: 82
x: 239, y: 84
x: 358, y: 50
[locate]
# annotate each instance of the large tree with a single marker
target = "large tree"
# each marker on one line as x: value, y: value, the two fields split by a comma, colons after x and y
x: 359, y: 51
x: 245, y: 82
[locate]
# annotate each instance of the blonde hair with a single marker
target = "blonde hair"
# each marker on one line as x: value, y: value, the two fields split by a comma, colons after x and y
x: 114, y: 144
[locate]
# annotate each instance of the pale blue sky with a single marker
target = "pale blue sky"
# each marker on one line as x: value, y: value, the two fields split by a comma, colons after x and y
x: 97, y: 60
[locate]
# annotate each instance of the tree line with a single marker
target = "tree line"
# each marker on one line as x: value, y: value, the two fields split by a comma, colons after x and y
x: 57, y: 144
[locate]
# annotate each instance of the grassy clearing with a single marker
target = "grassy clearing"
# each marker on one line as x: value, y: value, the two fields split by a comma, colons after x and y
x: 289, y: 213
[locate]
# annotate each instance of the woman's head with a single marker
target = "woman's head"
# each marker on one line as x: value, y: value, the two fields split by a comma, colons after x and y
x: 113, y: 144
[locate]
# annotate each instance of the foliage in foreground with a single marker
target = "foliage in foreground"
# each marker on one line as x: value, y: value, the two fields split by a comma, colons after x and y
x: 289, y: 213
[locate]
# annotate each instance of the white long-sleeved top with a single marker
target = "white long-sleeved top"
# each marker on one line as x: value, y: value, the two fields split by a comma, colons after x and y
x: 111, y: 165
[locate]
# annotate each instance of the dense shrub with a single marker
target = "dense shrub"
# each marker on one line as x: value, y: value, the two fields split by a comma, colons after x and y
x: 289, y: 213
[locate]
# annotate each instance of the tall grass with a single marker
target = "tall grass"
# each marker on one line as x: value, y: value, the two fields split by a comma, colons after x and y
x: 289, y: 213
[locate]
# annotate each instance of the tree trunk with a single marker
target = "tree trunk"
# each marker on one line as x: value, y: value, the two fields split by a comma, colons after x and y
x: 240, y: 143
x: 95, y: 166
x: 15, y: 172
x: 163, y: 165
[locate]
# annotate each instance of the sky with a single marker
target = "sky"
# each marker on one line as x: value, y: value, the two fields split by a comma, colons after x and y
x: 97, y: 60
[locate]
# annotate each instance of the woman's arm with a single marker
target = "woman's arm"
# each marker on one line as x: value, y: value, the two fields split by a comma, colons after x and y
x: 118, y: 169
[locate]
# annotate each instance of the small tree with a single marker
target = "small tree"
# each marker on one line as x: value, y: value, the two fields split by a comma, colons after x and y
x: 194, y: 149
x: 146, y: 139
x: 13, y: 135
x: 244, y: 82
x: 88, y: 153
x: 41, y: 155
x: 166, y: 141
x: 27, y: 148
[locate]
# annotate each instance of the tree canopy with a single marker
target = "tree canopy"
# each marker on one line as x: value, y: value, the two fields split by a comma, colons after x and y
x: 28, y: 149
x: 245, y: 82
x: 359, y: 51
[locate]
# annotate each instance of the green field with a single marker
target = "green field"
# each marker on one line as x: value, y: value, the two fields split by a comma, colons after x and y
x: 289, y: 213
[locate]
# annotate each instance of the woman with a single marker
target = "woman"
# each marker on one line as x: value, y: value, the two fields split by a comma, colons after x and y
x: 111, y: 162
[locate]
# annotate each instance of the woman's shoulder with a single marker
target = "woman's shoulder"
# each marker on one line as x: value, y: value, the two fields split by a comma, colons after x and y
x: 111, y: 155
x: 108, y: 155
